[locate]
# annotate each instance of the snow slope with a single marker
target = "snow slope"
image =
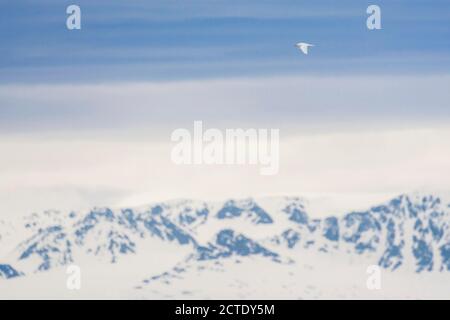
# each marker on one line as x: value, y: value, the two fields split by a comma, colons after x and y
x: 246, y: 248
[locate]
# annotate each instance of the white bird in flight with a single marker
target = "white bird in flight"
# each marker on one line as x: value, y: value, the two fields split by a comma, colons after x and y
x: 303, y: 46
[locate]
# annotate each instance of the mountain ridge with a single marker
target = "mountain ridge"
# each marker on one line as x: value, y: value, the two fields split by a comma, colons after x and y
x: 407, y: 232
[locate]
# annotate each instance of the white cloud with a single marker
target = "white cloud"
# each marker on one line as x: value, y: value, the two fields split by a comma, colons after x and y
x: 72, y: 146
x: 42, y: 173
x: 285, y: 102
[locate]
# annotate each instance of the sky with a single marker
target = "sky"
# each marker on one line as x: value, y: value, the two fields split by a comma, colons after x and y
x: 86, y: 115
x: 154, y: 40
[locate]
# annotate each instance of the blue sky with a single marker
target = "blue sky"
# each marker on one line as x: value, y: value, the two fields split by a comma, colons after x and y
x: 92, y: 78
x: 86, y: 116
x: 171, y: 40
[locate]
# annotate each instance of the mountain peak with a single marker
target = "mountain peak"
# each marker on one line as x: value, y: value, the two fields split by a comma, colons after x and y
x: 408, y: 231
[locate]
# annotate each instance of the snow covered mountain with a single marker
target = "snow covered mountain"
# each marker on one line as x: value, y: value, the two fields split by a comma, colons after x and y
x: 408, y: 233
